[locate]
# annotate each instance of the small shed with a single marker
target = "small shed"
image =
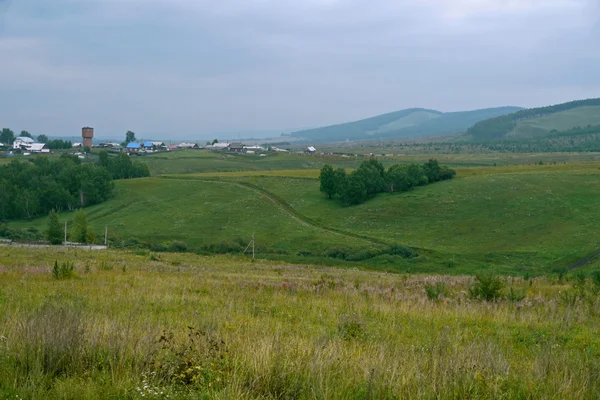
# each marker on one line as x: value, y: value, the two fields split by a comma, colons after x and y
x: 310, y: 150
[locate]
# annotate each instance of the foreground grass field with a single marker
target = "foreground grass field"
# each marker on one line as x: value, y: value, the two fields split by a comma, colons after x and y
x: 138, y: 326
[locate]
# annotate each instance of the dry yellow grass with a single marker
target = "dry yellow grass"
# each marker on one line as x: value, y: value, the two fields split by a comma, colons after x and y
x: 282, y: 331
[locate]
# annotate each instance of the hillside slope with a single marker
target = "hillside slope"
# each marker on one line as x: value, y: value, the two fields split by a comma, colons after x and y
x: 413, y: 122
x: 538, y: 122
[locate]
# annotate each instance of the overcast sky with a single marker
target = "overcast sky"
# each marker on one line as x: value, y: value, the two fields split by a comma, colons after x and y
x: 193, y: 68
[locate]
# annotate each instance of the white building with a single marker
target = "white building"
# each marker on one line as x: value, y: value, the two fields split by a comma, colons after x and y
x: 22, y: 143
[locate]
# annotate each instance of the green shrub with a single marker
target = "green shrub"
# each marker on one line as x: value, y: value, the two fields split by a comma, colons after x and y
x: 132, y: 242
x: 200, y: 361
x: 403, y: 251
x: 159, y: 247
x: 105, y: 266
x: 515, y: 296
x: 435, y: 292
x: 178, y: 247
x: 64, y: 270
x: 351, y: 326
x: 595, y: 275
x: 486, y: 287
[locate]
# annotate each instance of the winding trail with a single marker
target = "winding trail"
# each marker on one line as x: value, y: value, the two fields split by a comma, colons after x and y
x: 284, y: 206
x: 584, y: 261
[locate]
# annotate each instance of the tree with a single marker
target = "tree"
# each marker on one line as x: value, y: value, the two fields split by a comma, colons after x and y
x: 79, y: 231
x: 87, y: 149
x: 340, y: 180
x: 215, y: 141
x: 432, y: 170
x: 354, y: 191
x: 42, y: 139
x: 327, y: 179
x: 129, y: 137
x: 26, y: 134
x: 103, y: 159
x: 446, y: 173
x: 7, y: 136
x: 416, y: 175
x: 54, y: 234
x: 372, y: 173
x: 396, y: 178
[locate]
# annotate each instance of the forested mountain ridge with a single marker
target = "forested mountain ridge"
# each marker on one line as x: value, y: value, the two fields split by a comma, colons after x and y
x: 413, y: 122
x: 537, y: 122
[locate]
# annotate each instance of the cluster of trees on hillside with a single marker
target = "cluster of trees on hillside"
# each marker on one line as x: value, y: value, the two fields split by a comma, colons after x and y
x: 7, y: 136
x: 121, y: 166
x: 58, y: 144
x: 371, y: 178
x: 30, y: 189
x: 497, y: 128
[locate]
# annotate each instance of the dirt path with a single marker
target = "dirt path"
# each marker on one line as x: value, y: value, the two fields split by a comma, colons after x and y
x: 584, y: 261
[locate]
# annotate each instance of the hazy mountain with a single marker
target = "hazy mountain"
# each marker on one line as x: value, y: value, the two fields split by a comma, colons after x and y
x: 409, y: 123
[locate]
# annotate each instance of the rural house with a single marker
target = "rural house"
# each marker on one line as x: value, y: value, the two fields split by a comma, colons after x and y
x: 185, y: 145
x: 220, y: 146
x: 236, y: 147
x: 133, y: 148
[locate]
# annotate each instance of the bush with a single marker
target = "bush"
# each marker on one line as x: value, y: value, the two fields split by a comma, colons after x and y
x: 65, y: 270
x: 351, y: 327
x: 132, y: 242
x: 159, y: 247
x: 486, y: 287
x: 105, y: 266
x: 177, y: 247
x: 403, y: 251
x: 515, y: 296
x: 200, y: 361
x: 435, y: 292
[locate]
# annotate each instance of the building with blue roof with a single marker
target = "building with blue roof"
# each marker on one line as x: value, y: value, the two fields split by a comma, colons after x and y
x: 132, y: 147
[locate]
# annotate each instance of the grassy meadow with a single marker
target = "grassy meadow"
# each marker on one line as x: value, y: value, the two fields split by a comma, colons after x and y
x: 133, y: 325
x: 514, y: 219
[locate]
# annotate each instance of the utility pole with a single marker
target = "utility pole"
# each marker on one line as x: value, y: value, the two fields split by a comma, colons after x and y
x: 105, y: 235
x: 250, y: 244
x: 65, y: 232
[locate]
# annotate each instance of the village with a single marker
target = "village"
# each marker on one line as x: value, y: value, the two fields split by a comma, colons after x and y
x: 26, y: 145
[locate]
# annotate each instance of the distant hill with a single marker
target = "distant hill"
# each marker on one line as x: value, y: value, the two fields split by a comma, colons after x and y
x: 538, y: 122
x: 409, y: 123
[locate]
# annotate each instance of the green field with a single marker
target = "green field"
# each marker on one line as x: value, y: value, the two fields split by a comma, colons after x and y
x: 522, y: 219
x: 562, y: 121
x: 138, y: 325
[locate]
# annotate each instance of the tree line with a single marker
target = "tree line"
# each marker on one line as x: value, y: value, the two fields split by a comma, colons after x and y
x: 371, y: 178
x: 121, y: 166
x: 30, y: 189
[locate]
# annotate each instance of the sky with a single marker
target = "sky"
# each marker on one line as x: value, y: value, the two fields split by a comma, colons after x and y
x: 199, y: 68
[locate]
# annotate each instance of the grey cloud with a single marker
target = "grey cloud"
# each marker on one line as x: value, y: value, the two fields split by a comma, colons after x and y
x: 194, y: 68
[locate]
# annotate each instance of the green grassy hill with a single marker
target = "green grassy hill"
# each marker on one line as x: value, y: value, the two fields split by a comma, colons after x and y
x: 538, y: 122
x: 561, y: 122
x: 415, y: 122
x: 508, y: 219
x: 206, y: 215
